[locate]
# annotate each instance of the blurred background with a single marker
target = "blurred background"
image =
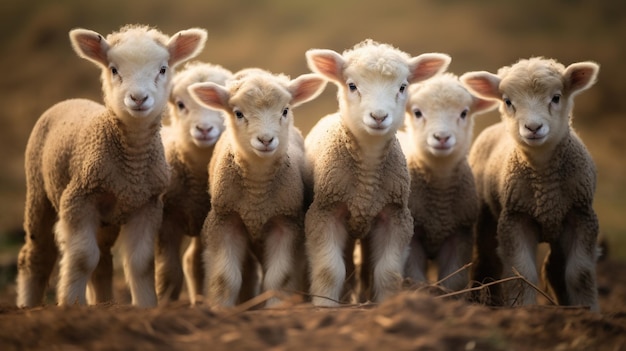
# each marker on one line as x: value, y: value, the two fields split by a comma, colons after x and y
x: 40, y: 67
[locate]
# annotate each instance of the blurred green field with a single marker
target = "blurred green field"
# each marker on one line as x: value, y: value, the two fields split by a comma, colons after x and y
x: 40, y: 68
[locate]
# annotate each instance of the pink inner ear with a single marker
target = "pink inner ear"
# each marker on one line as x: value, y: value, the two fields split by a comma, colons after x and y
x: 91, y: 46
x: 327, y: 65
x: 580, y: 78
x: 184, y: 46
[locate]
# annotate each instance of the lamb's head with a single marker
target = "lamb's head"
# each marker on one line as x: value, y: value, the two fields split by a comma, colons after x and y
x: 537, y: 97
x: 372, y: 80
x: 259, y: 106
x: 195, y: 123
x: 137, y: 64
x: 440, y: 117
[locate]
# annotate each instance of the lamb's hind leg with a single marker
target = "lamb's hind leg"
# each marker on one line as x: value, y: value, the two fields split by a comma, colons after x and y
x: 39, y: 253
x: 571, y: 266
x: 487, y: 266
x: 389, y: 238
x: 453, y: 255
x: 137, y: 238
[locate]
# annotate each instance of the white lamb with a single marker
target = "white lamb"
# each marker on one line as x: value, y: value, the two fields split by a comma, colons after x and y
x: 357, y: 170
x: 256, y: 185
x: 536, y: 182
x: 443, y: 201
x: 189, y: 140
x: 99, y: 171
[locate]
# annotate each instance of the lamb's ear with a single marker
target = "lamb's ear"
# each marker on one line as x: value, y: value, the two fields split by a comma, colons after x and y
x: 580, y: 76
x: 482, y: 84
x: 185, y: 45
x: 480, y: 106
x: 305, y: 88
x: 90, y: 45
x: 211, y: 95
x: 428, y: 65
x: 327, y: 63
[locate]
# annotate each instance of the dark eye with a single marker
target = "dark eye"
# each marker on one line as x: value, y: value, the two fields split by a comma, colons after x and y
x: 163, y: 70
x: 464, y: 114
x: 508, y: 102
x: 181, y: 105
x: 402, y: 88
x: 285, y: 112
x: 239, y: 114
x: 417, y: 113
x: 556, y: 98
x: 352, y: 86
x: 114, y: 71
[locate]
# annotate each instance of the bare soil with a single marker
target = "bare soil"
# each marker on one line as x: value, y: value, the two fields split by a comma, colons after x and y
x: 416, y: 320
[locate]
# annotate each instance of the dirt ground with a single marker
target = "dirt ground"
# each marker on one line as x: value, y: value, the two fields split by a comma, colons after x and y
x: 415, y: 320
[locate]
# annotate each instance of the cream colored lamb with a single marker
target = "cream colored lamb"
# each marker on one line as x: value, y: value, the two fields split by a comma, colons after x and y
x: 443, y: 202
x: 536, y: 182
x: 189, y: 140
x: 256, y: 185
x: 95, y: 171
x: 358, y: 173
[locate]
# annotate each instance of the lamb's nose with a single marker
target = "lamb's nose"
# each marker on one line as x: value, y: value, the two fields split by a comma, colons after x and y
x: 379, y: 116
x: 533, y: 127
x: 204, y: 130
x: 139, y: 99
x: 441, y: 137
x: 266, y: 140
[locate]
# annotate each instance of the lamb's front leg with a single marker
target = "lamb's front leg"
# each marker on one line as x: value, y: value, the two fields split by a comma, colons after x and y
x: 192, y: 268
x: 455, y: 252
x: 389, y: 238
x: 75, y: 233
x: 326, y: 238
x: 571, y: 265
x: 137, y: 238
x: 279, y: 260
x: 226, y: 242
x: 518, y: 239
x: 169, y: 271
x: 100, y: 287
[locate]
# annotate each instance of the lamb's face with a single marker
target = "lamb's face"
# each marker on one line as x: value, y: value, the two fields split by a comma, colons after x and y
x: 196, y: 123
x: 536, y: 97
x: 260, y: 118
x: 136, y: 82
x: 439, y: 118
x: 534, y: 105
x: 373, y: 103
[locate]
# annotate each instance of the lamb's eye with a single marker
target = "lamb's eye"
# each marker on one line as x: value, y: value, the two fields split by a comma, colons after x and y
x: 508, y: 102
x: 402, y: 88
x: 114, y: 71
x: 352, y: 87
x: 239, y: 114
x: 464, y: 114
x: 285, y: 111
x: 417, y: 113
x: 181, y: 105
x: 163, y: 70
x: 556, y: 98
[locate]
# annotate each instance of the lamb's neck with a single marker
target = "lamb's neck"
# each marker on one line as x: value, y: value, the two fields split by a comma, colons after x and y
x: 258, y: 172
x: 542, y: 157
x: 437, y: 168
x: 368, y: 152
x: 197, y: 158
x: 137, y: 137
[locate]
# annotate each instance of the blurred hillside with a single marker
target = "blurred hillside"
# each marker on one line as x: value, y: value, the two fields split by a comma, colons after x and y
x: 40, y: 67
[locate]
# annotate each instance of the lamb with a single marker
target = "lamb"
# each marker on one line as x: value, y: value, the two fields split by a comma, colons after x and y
x: 358, y: 173
x: 99, y: 171
x: 188, y: 140
x: 256, y: 186
x: 443, y: 200
x: 536, y: 182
